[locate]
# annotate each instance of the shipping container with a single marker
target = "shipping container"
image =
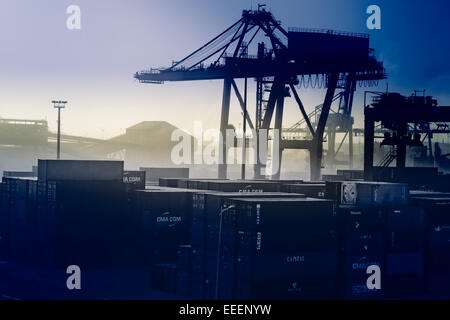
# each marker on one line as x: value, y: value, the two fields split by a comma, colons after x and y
x: 82, y: 223
x: 204, y: 235
x: 406, y: 229
x: 353, y: 277
x: 436, y: 209
x: 163, y: 277
x: 153, y: 175
x: 438, y: 285
x: 20, y: 174
x: 76, y: 170
x: 415, y: 177
x: 270, y: 229
x: 243, y: 186
x: 351, y: 174
x: 357, y: 219
x: 364, y: 243
x: 134, y: 179
x: 405, y: 275
x: 288, y: 288
x: 442, y: 183
x: 171, y: 182
x: 310, y: 190
x: 198, y: 277
x: 333, y: 177
x: 366, y: 194
x: 4, y: 221
x: 202, y: 184
x: 428, y: 194
x: 163, y: 223
x: 184, y: 272
x: 20, y: 199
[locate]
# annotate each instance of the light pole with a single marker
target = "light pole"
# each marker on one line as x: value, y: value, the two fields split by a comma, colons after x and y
x: 59, y: 105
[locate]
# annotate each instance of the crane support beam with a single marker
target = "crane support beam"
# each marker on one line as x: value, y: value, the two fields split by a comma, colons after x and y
x: 350, y: 146
x: 207, y: 44
x: 241, y: 38
x: 369, y: 136
x: 279, y: 127
x: 192, y: 67
x: 224, y: 117
x: 317, y: 144
x: 342, y: 142
x: 302, y: 109
x: 226, y: 47
x: 241, y: 102
x: 276, y: 88
x: 256, y: 68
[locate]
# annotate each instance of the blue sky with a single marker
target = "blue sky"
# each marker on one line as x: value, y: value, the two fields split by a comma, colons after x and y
x: 40, y: 59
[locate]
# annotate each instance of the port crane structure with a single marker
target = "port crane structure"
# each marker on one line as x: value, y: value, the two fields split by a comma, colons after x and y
x: 406, y: 121
x: 285, y: 59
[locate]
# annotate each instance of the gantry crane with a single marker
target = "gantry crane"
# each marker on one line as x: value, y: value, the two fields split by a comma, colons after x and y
x: 283, y: 60
x: 339, y: 121
x: 404, y: 120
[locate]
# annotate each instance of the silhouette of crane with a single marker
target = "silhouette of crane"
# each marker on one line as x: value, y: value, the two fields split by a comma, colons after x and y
x: 404, y: 120
x: 284, y: 59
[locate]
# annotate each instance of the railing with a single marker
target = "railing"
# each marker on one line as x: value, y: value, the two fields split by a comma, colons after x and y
x: 152, y: 71
x: 24, y: 122
x: 388, y: 158
x: 247, y: 56
x: 313, y: 113
x: 384, y: 163
x: 329, y: 31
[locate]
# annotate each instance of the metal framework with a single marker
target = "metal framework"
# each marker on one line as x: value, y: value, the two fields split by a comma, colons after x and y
x: 277, y: 74
x: 403, y: 120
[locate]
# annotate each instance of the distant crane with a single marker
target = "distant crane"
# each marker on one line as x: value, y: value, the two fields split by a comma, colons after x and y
x: 404, y: 120
x: 285, y: 59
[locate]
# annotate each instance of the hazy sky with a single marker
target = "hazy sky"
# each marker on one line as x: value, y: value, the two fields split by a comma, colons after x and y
x: 92, y: 68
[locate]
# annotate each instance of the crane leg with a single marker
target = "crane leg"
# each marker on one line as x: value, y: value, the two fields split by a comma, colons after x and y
x: 331, y: 153
x: 276, y: 163
x: 369, y: 128
x: 350, y: 146
x: 223, y: 152
x: 316, y: 149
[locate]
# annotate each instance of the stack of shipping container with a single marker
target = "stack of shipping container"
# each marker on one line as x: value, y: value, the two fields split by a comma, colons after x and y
x: 316, y: 190
x: 405, y: 251
x: 363, y: 208
x: 283, y: 248
x: 208, y: 209
x: 18, y: 202
x: 437, y: 230
x: 152, y: 175
x: 230, y: 239
x: 81, y: 215
x: 162, y: 223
